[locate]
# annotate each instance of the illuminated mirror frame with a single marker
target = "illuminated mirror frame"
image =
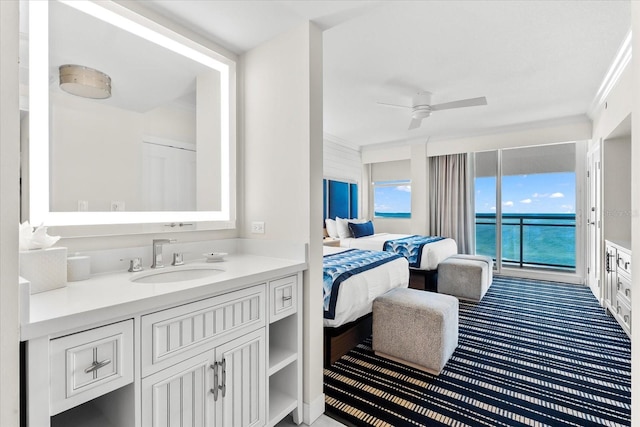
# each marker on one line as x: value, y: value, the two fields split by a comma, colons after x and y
x: 125, y: 19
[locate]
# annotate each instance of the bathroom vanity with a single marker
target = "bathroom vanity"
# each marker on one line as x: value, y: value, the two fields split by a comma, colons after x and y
x: 220, y: 350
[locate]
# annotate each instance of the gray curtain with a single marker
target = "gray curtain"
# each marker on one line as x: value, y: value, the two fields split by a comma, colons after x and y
x: 451, y: 200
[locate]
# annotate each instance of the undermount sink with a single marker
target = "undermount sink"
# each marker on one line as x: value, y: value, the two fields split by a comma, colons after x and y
x: 176, y: 274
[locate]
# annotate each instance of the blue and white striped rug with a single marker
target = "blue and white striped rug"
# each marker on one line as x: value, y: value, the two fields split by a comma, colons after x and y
x: 530, y: 353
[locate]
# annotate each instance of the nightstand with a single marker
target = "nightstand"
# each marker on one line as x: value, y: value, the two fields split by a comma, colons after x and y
x: 328, y: 241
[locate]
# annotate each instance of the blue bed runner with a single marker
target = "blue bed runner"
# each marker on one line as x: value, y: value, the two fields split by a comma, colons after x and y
x: 410, y: 247
x: 339, y: 267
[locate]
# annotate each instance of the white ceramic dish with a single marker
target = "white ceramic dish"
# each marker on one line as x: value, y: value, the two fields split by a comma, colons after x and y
x: 215, y: 256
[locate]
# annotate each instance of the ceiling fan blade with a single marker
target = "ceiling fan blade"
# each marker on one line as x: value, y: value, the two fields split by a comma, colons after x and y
x: 471, y: 102
x: 415, y: 123
x: 393, y: 105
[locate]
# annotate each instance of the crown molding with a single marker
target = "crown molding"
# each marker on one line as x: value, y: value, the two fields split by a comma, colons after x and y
x: 336, y: 140
x: 622, y: 59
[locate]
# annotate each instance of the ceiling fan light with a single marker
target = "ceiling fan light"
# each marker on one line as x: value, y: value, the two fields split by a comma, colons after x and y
x: 84, y: 81
x: 421, y: 112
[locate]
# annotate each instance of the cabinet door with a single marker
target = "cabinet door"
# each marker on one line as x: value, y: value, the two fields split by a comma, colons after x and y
x: 242, y: 398
x: 179, y: 396
x: 610, y: 278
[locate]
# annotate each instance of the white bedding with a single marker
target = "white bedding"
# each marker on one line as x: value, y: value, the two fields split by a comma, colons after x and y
x: 432, y: 253
x: 356, y: 294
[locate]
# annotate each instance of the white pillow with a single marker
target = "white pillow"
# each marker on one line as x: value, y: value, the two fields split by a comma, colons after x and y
x: 332, y: 228
x: 343, y: 226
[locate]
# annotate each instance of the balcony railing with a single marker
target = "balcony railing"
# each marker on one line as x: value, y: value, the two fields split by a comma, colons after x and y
x: 530, y: 240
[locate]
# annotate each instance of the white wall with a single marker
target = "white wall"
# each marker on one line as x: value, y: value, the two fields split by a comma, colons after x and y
x: 281, y: 168
x: 616, y: 188
x: 635, y: 206
x: 9, y: 216
x: 341, y: 162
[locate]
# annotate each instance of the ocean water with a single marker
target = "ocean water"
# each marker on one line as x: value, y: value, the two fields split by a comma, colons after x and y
x: 392, y: 215
x: 550, y: 240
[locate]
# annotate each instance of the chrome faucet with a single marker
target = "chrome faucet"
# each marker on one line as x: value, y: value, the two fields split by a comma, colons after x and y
x: 157, y: 251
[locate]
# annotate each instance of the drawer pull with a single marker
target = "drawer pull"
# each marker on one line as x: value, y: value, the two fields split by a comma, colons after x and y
x: 627, y: 292
x: 287, y: 298
x: 97, y: 365
x: 618, y: 285
x: 626, y: 319
x: 618, y: 309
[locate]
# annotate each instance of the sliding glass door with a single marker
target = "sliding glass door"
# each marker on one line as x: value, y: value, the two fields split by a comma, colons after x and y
x: 530, y: 222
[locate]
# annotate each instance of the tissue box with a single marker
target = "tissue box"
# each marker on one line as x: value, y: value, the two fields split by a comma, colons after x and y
x: 46, y: 269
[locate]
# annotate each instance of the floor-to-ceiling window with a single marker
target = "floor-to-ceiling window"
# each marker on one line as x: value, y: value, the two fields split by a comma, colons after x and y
x: 525, y: 200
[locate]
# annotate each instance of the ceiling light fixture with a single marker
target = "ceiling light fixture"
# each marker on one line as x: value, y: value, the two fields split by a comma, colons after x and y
x: 84, y: 81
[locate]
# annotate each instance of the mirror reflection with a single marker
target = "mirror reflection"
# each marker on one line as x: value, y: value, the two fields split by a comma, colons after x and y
x: 142, y: 148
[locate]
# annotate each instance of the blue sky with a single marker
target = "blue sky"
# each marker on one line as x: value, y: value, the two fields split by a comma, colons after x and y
x: 534, y: 193
x: 392, y: 199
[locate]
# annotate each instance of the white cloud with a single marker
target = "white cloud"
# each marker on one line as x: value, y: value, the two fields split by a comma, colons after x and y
x: 525, y: 201
x: 493, y: 208
x: 406, y: 188
x: 556, y: 196
x: 508, y: 203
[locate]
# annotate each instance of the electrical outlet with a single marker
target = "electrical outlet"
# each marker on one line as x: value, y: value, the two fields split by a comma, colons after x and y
x: 117, y: 206
x: 257, y: 227
x: 83, y: 205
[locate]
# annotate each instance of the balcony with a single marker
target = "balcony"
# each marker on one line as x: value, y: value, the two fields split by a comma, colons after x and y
x: 542, y: 241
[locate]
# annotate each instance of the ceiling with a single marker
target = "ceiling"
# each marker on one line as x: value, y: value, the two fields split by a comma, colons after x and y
x: 534, y: 61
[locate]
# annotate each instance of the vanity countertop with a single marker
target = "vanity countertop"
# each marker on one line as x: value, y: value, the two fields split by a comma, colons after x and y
x: 112, y: 296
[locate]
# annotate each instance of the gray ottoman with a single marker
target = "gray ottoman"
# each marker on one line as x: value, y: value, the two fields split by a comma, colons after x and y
x: 465, y: 276
x: 416, y: 328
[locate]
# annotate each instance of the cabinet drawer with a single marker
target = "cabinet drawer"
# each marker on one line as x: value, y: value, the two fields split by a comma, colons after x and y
x: 623, y: 313
x: 174, y: 334
x: 283, y: 299
x: 89, y: 364
x: 624, y: 262
x: 623, y: 288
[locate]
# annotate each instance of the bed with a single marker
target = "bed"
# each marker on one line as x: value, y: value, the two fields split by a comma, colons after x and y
x: 360, y: 276
x: 432, y: 253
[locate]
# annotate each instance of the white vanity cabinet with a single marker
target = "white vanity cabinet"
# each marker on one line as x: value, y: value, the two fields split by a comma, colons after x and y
x: 617, y: 292
x: 223, y: 385
x: 230, y: 356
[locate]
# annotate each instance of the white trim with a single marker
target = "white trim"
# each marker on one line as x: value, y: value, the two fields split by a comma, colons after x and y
x: 312, y: 411
x: 622, y: 59
x: 336, y: 140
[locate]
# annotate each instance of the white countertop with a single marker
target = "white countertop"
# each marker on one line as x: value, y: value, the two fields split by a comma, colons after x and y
x: 112, y: 296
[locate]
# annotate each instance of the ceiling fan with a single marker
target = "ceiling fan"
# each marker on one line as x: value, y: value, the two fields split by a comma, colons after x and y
x: 422, y: 108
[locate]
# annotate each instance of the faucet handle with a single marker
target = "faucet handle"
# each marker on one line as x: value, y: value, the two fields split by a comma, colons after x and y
x: 177, y: 259
x: 135, y: 264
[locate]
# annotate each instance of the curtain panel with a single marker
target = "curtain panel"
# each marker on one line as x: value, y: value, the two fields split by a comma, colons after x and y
x: 451, y: 200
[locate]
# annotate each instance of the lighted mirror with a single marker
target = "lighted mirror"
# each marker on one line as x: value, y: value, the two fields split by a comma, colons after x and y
x: 156, y: 146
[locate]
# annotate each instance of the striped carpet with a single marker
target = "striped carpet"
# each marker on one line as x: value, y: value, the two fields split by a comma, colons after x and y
x: 530, y: 353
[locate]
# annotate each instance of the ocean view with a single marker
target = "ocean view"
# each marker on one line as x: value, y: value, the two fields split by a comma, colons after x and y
x: 547, y: 239
x: 392, y: 215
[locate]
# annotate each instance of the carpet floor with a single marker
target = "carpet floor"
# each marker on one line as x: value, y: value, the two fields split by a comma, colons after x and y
x: 531, y: 353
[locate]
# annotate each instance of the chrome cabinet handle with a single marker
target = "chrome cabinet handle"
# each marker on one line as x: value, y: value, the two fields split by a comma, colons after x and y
x: 224, y: 377
x: 627, y: 292
x: 626, y: 318
x: 214, y: 390
x: 97, y: 365
x: 287, y: 298
x: 618, y: 285
x: 618, y: 309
